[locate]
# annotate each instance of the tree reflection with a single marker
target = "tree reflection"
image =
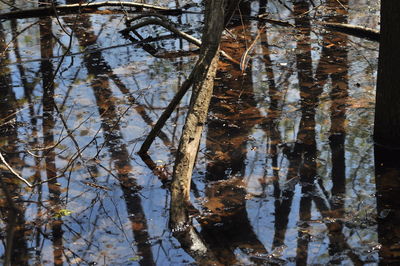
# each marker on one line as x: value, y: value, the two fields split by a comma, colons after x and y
x: 233, y: 114
x: 334, y: 53
x: 12, y: 210
x: 303, y: 202
x: 98, y: 67
x: 47, y: 70
x: 333, y: 48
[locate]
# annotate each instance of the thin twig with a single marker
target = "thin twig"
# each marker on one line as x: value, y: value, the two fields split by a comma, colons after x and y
x: 340, y: 3
x: 3, y: 160
x: 245, y: 57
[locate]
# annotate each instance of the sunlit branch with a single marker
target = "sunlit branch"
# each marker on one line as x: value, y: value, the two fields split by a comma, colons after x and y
x: 3, y: 160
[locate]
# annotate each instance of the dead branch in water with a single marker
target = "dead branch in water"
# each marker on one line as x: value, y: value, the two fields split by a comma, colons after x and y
x: 83, y: 8
x: 354, y: 30
x: 357, y: 31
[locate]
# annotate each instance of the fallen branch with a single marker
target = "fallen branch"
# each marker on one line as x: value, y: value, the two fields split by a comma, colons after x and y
x: 357, y: 31
x: 3, y: 160
x: 83, y: 8
x: 354, y: 30
x: 197, y: 70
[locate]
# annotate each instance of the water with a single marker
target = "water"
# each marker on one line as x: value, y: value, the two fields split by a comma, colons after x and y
x: 285, y: 172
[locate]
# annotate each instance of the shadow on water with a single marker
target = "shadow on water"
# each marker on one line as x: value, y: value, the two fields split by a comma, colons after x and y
x: 285, y: 172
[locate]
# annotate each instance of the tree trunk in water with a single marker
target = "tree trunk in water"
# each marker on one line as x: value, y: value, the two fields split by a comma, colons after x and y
x: 387, y: 114
x: 387, y: 134
x: 206, y: 67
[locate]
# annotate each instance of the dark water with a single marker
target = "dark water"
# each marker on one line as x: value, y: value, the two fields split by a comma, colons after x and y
x: 285, y: 172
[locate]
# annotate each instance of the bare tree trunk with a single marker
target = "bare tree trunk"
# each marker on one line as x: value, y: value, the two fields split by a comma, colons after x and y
x: 387, y: 114
x: 202, y: 91
x: 387, y: 134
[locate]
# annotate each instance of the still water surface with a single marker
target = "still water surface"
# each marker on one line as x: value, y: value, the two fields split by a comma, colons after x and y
x: 285, y: 172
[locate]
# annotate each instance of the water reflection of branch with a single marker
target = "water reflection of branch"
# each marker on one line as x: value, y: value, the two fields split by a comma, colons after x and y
x: 88, y: 51
x: 283, y: 199
x: 167, y: 25
x: 271, y: 125
x: 48, y: 74
x: 97, y: 66
x: 3, y: 160
x: 139, y: 108
x: 15, y: 36
x: 357, y: 46
x: 353, y: 176
x: 286, y: 6
x: 307, y: 136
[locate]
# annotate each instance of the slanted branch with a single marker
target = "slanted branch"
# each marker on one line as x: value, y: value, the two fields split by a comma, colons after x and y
x: 203, y: 84
x: 201, y: 80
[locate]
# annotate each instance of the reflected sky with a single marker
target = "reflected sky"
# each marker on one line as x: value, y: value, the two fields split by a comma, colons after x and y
x: 285, y: 171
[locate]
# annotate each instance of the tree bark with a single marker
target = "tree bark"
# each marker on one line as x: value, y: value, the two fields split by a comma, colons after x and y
x: 387, y: 113
x: 200, y: 100
x: 387, y: 134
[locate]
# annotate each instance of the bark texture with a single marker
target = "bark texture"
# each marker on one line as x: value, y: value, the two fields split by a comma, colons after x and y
x: 387, y: 135
x: 387, y: 114
x: 202, y: 91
